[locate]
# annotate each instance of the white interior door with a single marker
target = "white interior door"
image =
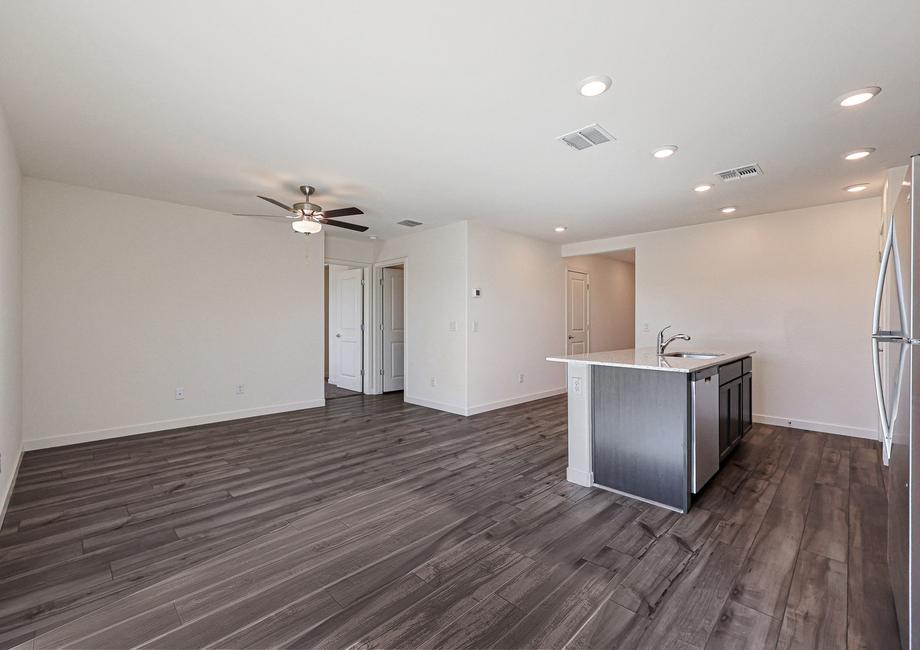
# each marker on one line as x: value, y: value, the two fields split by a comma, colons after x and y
x: 576, y: 312
x: 394, y: 329
x: 349, y: 314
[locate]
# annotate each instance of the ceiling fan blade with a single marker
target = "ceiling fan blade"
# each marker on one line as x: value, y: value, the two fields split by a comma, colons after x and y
x: 278, y: 203
x: 342, y: 224
x: 342, y: 212
x: 264, y: 216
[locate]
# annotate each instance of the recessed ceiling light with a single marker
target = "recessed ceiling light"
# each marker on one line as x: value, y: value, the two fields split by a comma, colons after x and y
x: 859, y: 154
x: 559, y: 228
x: 702, y: 188
x: 665, y: 152
x: 372, y: 236
x: 857, y: 188
x: 857, y: 97
x: 728, y: 209
x: 594, y: 86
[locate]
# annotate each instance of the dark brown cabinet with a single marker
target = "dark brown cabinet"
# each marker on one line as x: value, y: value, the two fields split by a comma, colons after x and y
x: 735, y: 416
x: 747, y: 419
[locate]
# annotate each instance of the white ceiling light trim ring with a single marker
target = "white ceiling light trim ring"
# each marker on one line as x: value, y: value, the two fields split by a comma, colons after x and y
x: 859, y: 96
x: 594, y: 85
x: 665, y: 151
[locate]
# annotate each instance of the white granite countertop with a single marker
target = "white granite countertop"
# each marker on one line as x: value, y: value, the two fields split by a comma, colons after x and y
x: 647, y: 358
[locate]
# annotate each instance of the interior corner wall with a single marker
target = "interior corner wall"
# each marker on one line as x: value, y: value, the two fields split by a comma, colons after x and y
x: 518, y: 320
x: 797, y: 286
x: 612, y: 301
x: 126, y: 299
x: 10, y: 314
x: 436, y: 314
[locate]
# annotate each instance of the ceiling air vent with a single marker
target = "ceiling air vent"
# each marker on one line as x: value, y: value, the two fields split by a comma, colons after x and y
x: 587, y: 136
x: 738, y: 173
x: 409, y: 223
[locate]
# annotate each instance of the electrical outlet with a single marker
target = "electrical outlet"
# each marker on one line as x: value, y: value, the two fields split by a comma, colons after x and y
x: 434, y: 382
x: 241, y: 389
x: 180, y: 393
x: 452, y: 326
x: 645, y: 327
x: 475, y: 325
x: 576, y: 385
x: 521, y: 378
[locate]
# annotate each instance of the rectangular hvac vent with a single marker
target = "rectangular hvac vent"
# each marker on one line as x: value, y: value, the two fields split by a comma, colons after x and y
x: 588, y: 136
x: 737, y: 173
x: 409, y: 223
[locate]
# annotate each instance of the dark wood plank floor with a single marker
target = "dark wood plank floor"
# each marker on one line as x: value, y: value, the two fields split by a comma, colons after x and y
x: 375, y: 523
x: 335, y: 392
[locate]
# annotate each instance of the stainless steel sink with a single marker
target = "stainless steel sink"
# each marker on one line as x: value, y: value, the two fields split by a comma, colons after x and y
x: 693, y: 355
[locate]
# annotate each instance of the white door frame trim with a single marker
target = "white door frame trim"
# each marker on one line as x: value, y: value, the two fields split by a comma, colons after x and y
x: 565, y: 334
x: 376, y: 379
x: 366, y: 319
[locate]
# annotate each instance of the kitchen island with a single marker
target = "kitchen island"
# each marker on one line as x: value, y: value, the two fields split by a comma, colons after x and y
x: 655, y: 427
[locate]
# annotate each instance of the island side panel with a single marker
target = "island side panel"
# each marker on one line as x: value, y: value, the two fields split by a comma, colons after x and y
x: 640, y: 433
x: 579, y: 470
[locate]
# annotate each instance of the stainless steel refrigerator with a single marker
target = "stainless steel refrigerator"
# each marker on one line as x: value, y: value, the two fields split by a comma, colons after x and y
x: 896, y: 360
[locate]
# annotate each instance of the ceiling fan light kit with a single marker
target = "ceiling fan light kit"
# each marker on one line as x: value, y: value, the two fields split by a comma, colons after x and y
x: 306, y: 227
x: 309, y: 218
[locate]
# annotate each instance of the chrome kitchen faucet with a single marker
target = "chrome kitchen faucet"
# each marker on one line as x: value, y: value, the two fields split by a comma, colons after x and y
x: 663, y: 345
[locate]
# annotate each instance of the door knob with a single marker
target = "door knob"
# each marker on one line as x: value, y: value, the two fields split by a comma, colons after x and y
x: 339, y: 335
x: 571, y: 337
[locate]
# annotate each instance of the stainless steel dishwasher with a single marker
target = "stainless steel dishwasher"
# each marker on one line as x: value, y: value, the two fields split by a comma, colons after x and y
x: 704, y: 434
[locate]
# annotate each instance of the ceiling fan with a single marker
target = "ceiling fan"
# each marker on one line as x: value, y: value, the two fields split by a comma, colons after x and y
x: 309, y: 218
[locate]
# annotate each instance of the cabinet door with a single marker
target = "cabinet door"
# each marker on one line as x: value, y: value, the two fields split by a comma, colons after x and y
x: 725, y: 416
x: 736, y: 428
x: 730, y: 424
x: 747, y: 418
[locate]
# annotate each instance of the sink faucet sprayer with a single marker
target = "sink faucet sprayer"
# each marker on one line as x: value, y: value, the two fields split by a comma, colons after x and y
x: 663, y: 345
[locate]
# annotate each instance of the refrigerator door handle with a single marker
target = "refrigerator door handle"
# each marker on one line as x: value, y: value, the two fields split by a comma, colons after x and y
x: 880, y: 395
x: 880, y: 287
x: 889, y: 254
x: 890, y: 249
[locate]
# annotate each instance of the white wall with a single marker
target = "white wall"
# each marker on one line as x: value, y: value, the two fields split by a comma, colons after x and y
x: 10, y: 315
x: 350, y: 250
x: 798, y: 286
x: 126, y: 299
x: 436, y: 290
x: 612, y: 300
x: 520, y: 318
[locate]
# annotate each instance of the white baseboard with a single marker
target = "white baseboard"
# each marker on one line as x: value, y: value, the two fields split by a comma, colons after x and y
x: 440, y: 406
x: 579, y: 477
x: 165, y: 425
x: 9, y: 486
x: 482, y: 408
x: 500, y: 404
x: 823, y: 427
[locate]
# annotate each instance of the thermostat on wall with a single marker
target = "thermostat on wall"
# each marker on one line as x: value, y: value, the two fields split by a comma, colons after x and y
x: 477, y: 293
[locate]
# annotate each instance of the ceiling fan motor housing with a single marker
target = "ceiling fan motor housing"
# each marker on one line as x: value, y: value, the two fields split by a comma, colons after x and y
x: 307, y: 208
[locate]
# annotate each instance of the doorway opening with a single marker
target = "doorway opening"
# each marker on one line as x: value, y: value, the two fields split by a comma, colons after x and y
x: 600, y: 302
x: 392, y: 328
x: 344, y: 330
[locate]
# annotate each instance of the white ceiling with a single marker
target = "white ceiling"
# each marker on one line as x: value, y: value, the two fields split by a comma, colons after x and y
x: 440, y: 111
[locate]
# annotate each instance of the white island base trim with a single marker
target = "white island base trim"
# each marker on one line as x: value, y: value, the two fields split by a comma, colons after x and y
x: 580, y: 470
